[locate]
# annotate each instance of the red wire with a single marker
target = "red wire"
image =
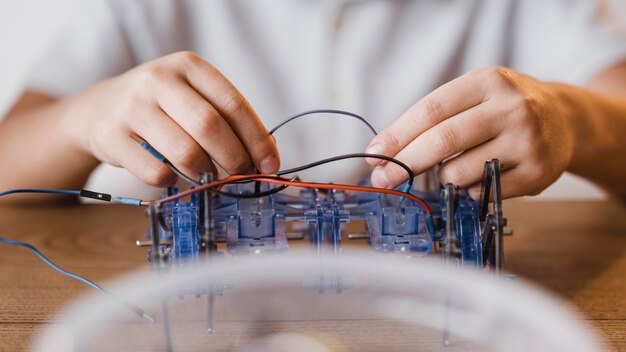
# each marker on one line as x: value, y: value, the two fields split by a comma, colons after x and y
x: 281, y: 181
x: 348, y: 188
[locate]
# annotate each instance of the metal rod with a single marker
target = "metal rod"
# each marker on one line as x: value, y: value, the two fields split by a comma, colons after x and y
x: 154, y: 212
x: 358, y: 236
x: 166, y: 323
x: 148, y: 243
x: 451, y: 250
x: 208, y: 244
x: 451, y: 245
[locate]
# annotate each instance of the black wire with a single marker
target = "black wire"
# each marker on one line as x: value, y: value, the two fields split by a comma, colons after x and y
x: 194, y: 182
x: 352, y: 156
x: 180, y: 173
x: 325, y: 111
x: 250, y: 195
x: 318, y: 163
x: 256, y: 193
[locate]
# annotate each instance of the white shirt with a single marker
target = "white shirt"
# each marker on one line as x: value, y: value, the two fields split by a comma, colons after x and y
x: 372, y: 57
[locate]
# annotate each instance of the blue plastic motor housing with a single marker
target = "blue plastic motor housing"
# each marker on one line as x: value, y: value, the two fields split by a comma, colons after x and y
x: 402, y: 231
x: 468, y: 231
x: 258, y: 225
x: 185, y: 244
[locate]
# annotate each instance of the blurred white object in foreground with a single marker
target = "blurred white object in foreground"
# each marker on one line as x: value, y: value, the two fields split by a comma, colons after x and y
x: 300, y: 302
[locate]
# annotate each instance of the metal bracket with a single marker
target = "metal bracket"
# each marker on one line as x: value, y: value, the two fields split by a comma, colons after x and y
x: 451, y: 245
x: 491, y: 217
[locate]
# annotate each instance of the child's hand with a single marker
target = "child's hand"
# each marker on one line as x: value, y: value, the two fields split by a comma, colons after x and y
x: 184, y: 108
x: 485, y: 114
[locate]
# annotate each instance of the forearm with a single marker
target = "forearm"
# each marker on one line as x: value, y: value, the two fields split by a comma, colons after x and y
x: 37, y: 148
x: 598, y: 123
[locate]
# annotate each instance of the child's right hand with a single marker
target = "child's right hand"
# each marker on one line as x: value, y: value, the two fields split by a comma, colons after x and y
x: 184, y: 108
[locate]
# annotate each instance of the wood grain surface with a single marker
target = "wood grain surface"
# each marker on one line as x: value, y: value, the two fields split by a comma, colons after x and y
x: 577, y: 250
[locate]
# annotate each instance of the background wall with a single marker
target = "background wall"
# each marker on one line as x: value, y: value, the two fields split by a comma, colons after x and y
x: 26, y: 26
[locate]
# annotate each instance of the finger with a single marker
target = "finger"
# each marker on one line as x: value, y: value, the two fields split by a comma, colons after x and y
x: 170, y: 140
x: 131, y: 156
x: 450, y: 137
x: 207, y: 127
x: 467, y: 168
x: 446, y: 101
x: 236, y: 110
x: 514, y: 183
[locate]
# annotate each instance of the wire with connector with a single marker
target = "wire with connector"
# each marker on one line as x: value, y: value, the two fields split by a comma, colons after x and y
x: 83, y: 193
x: 145, y: 145
x: 134, y: 308
x: 410, y: 175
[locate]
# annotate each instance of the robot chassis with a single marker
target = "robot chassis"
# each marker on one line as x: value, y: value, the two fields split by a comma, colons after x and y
x: 466, y: 232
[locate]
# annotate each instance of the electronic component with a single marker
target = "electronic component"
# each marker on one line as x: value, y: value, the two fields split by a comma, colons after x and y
x: 408, y: 222
x: 395, y: 223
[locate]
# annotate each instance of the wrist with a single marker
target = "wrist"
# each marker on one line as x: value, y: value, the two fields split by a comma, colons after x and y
x: 597, y: 126
x: 579, y: 136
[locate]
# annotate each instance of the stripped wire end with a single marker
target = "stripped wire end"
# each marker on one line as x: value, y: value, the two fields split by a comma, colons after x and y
x: 149, y: 148
x: 127, y: 201
x: 405, y: 189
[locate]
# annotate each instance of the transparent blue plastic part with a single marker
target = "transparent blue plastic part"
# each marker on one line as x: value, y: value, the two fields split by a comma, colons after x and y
x: 467, y: 225
x: 402, y: 231
x: 258, y: 225
x: 185, y: 245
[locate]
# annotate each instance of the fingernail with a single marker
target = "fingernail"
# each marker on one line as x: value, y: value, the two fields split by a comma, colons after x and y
x: 269, y: 165
x: 379, y: 178
x: 375, y: 149
x: 474, y: 193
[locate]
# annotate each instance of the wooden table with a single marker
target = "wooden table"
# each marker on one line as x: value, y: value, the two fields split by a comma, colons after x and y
x: 575, y: 249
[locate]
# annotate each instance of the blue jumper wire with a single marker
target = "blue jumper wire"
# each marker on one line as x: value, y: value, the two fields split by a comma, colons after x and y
x: 130, y: 306
x: 47, y: 191
x: 54, y: 266
x: 81, y: 193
